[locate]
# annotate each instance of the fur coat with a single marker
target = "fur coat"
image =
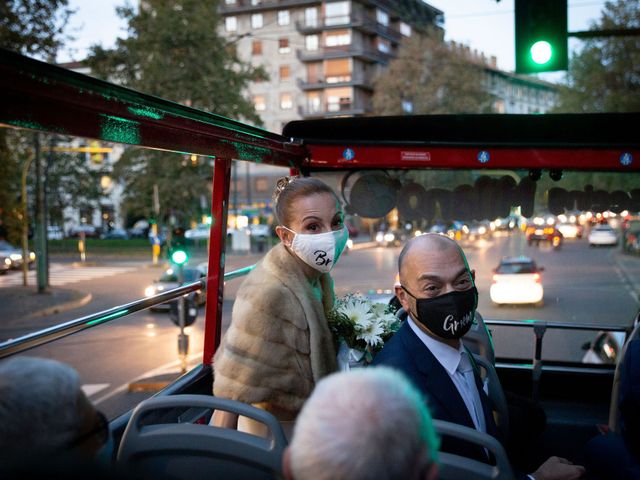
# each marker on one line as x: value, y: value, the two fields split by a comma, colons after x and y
x: 278, y: 344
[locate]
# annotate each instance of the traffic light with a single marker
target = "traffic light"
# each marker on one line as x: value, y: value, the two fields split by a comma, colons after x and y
x: 541, y: 35
x: 178, y: 252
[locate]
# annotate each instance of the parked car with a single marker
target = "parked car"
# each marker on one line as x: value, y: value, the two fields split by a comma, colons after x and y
x: 89, y: 231
x: 116, y: 233
x: 200, y: 232
x: 169, y: 280
x: 631, y: 237
x: 517, y: 280
x: 14, y: 255
x: 55, y: 232
x: 260, y: 230
x: 602, y: 235
x: 5, y: 263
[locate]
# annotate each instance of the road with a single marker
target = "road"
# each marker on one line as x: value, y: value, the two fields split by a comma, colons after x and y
x: 582, y: 285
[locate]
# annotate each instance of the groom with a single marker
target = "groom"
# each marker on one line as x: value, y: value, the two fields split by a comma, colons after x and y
x: 437, y: 290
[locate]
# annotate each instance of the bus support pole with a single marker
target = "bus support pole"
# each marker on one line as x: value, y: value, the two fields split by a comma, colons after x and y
x: 183, y: 340
x: 539, y: 330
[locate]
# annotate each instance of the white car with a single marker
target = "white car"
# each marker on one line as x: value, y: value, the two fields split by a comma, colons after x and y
x: 202, y: 231
x: 517, y: 280
x: 602, y: 235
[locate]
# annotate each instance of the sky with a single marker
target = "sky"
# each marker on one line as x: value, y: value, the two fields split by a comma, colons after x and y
x: 485, y: 25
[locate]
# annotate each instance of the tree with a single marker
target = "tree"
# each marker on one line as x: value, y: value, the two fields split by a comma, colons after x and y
x: 605, y: 75
x: 29, y: 27
x: 431, y: 76
x: 174, y: 51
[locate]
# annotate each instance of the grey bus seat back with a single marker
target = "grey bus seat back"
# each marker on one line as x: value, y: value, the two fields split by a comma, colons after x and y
x: 193, y: 451
x: 453, y: 467
x: 614, y: 410
x: 477, y: 339
x: 496, y: 394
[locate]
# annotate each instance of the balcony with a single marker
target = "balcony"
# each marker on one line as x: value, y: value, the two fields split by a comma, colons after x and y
x: 342, y: 109
x: 361, y: 22
x: 359, y: 80
x: 366, y: 54
x: 247, y: 6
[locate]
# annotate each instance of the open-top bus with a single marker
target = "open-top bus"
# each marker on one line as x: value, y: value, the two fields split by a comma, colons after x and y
x: 497, y: 174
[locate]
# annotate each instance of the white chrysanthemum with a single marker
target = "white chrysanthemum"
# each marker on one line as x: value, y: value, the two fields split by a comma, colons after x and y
x: 387, y: 320
x: 378, y: 309
x: 357, y: 312
x: 372, y: 334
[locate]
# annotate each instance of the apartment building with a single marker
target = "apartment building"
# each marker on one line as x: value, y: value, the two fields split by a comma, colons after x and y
x: 322, y: 55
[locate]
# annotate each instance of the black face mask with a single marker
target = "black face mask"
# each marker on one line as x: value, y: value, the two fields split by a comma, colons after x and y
x: 450, y: 315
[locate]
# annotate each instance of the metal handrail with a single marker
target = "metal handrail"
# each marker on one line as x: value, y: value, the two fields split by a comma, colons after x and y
x: 553, y: 325
x: 46, y: 335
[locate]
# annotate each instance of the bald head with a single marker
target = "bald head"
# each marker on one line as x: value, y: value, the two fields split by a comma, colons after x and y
x: 429, y: 242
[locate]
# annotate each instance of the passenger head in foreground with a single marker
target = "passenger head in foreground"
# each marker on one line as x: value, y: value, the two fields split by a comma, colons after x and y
x: 363, y: 424
x: 43, y: 408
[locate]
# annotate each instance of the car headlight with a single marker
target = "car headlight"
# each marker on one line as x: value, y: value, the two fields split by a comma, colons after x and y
x: 7, y: 261
x: 32, y: 256
x: 150, y: 291
x: 482, y: 230
x: 379, y: 236
x: 389, y: 237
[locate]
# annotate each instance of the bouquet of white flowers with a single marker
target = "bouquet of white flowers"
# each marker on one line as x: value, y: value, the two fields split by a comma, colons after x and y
x: 360, y: 328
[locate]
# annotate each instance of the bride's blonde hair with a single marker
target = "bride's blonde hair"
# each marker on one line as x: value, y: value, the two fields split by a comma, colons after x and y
x: 288, y: 189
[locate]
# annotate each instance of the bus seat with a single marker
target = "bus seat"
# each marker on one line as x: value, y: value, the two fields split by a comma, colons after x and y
x: 496, y: 394
x: 453, y: 467
x: 477, y: 339
x: 614, y: 410
x: 193, y: 451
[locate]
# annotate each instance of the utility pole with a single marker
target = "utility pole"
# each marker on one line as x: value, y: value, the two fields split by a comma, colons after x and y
x: 248, y: 179
x: 41, y: 222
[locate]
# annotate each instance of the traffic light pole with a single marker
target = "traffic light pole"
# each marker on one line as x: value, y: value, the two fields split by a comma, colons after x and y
x: 183, y: 339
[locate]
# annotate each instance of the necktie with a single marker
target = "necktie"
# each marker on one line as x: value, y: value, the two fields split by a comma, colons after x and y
x: 465, y: 369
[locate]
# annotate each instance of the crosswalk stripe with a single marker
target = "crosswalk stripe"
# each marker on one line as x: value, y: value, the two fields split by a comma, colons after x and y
x: 60, y: 275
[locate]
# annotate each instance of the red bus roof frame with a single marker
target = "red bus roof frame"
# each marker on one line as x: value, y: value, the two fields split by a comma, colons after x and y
x: 607, y: 141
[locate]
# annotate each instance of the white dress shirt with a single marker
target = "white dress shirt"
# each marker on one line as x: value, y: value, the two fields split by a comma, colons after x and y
x: 459, y: 370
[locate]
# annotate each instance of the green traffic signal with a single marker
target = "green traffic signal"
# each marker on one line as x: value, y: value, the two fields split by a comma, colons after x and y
x: 541, y: 52
x: 179, y: 257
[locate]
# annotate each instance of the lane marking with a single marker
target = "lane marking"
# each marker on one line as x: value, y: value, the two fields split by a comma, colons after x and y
x: 93, y: 388
x: 166, y: 368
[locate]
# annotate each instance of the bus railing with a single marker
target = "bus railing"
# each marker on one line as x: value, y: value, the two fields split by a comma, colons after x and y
x: 46, y: 335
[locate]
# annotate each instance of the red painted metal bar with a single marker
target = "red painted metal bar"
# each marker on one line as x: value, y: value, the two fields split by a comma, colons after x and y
x: 361, y: 156
x: 217, y: 246
x: 40, y: 96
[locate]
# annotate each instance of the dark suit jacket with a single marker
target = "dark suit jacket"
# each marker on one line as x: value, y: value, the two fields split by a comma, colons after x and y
x: 406, y: 352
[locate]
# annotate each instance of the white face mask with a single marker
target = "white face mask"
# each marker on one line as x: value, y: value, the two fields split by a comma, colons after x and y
x: 320, y: 250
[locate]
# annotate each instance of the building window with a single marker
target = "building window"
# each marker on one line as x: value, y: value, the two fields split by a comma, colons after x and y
x: 336, y: 71
x: 285, y: 72
x: 283, y: 45
x: 286, y: 101
x: 256, y: 47
x: 283, y: 17
x: 262, y: 185
x: 259, y: 103
x: 383, y: 45
x: 337, y: 13
x: 338, y: 38
x: 256, y: 2
x: 339, y: 99
x: 256, y: 20
x: 231, y: 24
x: 311, y: 17
x: 230, y: 2
x: 382, y: 17
x: 311, y: 42
x: 314, y: 102
x: 405, y: 29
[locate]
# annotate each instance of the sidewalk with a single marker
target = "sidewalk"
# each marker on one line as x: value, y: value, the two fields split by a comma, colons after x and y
x: 24, y: 303
x: 629, y: 265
